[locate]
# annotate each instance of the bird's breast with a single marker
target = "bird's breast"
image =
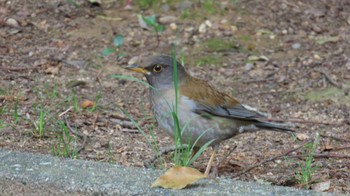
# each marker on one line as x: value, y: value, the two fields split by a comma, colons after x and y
x: 193, y: 125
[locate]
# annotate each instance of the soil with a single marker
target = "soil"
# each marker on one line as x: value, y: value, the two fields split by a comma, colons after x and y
x: 287, y: 59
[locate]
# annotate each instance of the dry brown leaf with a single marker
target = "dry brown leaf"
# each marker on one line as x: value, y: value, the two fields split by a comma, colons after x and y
x: 87, y: 103
x: 302, y: 136
x: 52, y: 67
x: 178, y: 178
x: 328, y: 147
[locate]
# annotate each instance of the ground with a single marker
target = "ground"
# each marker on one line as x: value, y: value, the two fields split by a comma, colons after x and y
x: 287, y: 59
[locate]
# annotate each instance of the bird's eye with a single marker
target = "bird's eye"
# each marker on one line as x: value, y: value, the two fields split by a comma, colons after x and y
x: 157, y: 68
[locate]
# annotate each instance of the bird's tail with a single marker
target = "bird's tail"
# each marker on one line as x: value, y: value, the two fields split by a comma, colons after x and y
x: 274, y: 126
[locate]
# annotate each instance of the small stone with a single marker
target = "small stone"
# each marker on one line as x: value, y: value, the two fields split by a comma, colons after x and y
x: 223, y: 21
x: 208, y: 23
x: 11, y: 22
x: 202, y: 28
x: 248, y: 66
x: 284, y: 31
x: 316, y: 56
x: 189, y: 29
x: 167, y: 19
x: 296, y: 46
x: 234, y: 28
x: 173, y: 26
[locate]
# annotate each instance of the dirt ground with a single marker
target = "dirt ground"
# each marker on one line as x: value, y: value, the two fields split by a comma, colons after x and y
x: 291, y: 60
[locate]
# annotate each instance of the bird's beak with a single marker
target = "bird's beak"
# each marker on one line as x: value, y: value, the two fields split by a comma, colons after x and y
x: 138, y: 69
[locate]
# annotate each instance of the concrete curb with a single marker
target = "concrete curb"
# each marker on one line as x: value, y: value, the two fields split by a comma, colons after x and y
x: 36, y: 174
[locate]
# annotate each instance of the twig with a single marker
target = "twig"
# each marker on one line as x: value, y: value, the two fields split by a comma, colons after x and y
x: 230, y: 152
x: 335, y: 138
x: 16, y: 68
x: 271, y: 159
x: 134, y: 131
x: 304, y: 121
x: 119, y: 117
x: 307, y: 183
x: 82, y: 135
x: 63, y: 113
x: 124, y: 123
x: 95, y: 120
x: 340, y: 148
x: 329, y: 78
x: 325, y: 155
x: 257, y: 80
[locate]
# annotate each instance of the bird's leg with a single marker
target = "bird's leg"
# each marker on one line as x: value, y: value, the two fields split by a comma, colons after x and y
x: 210, y: 163
x: 215, y: 172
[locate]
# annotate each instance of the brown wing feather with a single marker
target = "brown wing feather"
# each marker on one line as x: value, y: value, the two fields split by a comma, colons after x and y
x: 214, y: 102
x: 203, y: 93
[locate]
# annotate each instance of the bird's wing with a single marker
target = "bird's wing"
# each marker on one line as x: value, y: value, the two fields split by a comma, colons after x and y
x: 237, y: 111
x: 208, y: 100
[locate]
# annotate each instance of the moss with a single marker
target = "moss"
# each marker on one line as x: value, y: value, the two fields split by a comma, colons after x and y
x: 334, y: 94
x: 214, y: 59
x: 218, y: 45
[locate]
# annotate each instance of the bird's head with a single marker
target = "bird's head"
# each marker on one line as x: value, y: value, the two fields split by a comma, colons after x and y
x: 159, y: 71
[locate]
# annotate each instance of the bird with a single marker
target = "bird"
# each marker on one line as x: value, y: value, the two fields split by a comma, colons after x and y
x: 208, y: 115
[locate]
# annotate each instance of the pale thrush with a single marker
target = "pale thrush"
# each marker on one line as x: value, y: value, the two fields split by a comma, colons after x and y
x: 206, y: 112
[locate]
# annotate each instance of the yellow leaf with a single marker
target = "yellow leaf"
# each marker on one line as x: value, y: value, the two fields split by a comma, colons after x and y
x: 87, y: 103
x: 178, y: 178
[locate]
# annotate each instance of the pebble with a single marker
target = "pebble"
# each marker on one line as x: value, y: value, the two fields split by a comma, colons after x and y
x: 296, y: 46
x: 208, y: 23
x: 202, y: 28
x: 11, y: 22
x: 316, y: 56
x: 167, y: 19
x: 234, y: 28
x: 173, y: 26
x: 248, y: 66
x: 189, y: 29
x: 223, y: 21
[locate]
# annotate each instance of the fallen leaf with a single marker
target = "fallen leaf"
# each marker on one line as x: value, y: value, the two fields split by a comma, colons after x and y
x: 108, y: 51
x: 325, y: 39
x: 257, y: 58
x: 142, y: 23
x: 178, y: 178
x: 75, y: 83
x: 328, y: 147
x: 87, y: 103
x: 118, y: 40
x: 302, y: 136
x: 52, y: 67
